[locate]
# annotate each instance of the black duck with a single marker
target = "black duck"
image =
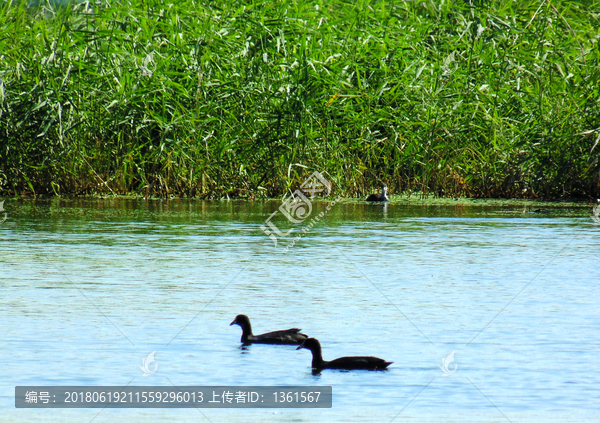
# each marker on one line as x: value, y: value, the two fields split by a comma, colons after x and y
x: 289, y: 336
x: 345, y: 363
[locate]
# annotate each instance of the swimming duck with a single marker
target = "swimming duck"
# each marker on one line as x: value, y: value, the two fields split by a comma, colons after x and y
x: 346, y: 363
x: 379, y: 197
x: 289, y: 336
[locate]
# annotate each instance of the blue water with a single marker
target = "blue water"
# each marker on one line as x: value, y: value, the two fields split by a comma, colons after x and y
x: 89, y: 288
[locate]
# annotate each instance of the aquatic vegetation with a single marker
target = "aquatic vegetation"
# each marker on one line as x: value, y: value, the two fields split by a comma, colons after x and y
x: 214, y: 99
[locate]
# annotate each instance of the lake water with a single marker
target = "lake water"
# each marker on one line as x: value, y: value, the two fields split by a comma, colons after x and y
x: 88, y: 288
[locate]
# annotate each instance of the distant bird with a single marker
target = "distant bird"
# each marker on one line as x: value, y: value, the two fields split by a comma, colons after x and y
x: 379, y: 197
x: 289, y: 336
x: 346, y: 363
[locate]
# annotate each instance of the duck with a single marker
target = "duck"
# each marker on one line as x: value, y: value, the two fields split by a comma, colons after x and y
x: 289, y: 336
x: 343, y: 363
x: 379, y: 197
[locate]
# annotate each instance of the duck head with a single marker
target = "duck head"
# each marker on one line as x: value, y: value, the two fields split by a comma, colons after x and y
x: 241, y: 320
x: 310, y: 344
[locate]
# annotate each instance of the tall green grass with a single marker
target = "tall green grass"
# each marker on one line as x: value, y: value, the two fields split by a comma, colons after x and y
x: 489, y: 99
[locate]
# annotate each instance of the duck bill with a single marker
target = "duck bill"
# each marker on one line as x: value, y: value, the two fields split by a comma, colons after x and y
x: 232, y: 323
x: 300, y: 347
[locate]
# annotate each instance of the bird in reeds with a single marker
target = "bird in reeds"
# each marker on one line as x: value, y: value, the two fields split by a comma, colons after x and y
x: 343, y: 363
x: 289, y: 336
x: 380, y: 196
x: 535, y: 211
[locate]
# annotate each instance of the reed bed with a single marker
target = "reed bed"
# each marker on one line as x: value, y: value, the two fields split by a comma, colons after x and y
x: 239, y: 99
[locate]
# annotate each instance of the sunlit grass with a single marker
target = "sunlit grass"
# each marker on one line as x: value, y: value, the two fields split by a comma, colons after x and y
x: 224, y: 99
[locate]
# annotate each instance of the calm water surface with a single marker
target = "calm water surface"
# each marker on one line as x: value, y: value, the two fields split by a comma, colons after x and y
x: 88, y: 288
